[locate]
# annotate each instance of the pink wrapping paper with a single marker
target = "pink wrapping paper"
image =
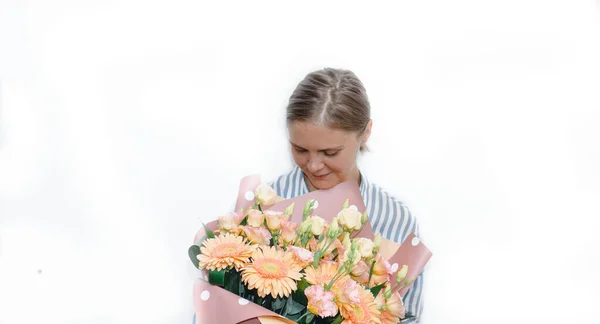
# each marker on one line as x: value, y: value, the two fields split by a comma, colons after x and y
x: 412, y: 252
x: 214, y: 304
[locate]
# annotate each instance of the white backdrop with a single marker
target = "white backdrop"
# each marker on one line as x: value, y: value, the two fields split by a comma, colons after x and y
x: 124, y: 124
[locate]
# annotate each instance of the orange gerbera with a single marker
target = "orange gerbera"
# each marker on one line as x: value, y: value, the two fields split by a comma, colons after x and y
x: 363, y: 312
x: 272, y: 271
x: 223, y: 252
x: 323, y: 274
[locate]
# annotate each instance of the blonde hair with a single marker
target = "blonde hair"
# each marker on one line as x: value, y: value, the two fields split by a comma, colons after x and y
x: 332, y: 97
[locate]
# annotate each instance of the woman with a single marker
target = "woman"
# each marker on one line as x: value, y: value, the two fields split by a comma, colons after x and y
x: 328, y: 119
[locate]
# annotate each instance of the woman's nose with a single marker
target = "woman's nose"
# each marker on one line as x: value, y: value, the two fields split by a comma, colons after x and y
x: 314, y: 164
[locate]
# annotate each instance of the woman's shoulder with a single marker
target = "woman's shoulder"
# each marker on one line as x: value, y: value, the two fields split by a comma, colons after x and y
x: 289, y: 184
x: 389, y: 215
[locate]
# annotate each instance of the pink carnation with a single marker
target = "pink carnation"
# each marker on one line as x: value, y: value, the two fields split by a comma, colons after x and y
x: 302, y: 254
x: 320, y: 302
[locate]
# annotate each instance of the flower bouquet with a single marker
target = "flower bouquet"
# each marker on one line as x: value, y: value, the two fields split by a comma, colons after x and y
x: 310, y: 259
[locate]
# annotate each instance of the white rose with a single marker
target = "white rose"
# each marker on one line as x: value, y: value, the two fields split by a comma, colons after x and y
x: 365, y: 247
x: 265, y: 195
x: 317, y: 224
x: 350, y: 218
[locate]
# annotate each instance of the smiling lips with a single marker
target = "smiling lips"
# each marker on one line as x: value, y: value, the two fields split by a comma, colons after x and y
x: 320, y: 176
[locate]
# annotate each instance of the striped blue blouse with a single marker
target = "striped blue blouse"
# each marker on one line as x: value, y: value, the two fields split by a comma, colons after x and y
x: 388, y: 216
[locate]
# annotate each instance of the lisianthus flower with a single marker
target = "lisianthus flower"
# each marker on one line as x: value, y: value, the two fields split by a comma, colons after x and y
x: 255, y: 218
x: 381, y: 270
x: 223, y: 252
x: 272, y: 271
x: 391, y: 307
x: 229, y: 222
x: 288, y: 231
x: 274, y: 219
x: 320, y: 302
x: 316, y: 224
x: 257, y: 235
x: 360, y: 272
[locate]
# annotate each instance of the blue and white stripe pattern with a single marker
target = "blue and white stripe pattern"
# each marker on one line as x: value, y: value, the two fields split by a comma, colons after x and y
x: 389, y: 217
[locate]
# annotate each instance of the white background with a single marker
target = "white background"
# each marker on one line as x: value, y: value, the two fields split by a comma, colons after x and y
x: 124, y: 124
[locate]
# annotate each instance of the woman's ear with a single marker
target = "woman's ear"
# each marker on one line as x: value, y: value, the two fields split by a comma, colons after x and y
x: 366, y: 134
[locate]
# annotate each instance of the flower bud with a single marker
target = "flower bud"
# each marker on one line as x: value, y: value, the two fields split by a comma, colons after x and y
x: 402, y: 273
x: 346, y: 204
x: 334, y: 229
x: 388, y: 292
x: 346, y: 241
x: 307, y: 208
x: 304, y: 227
x: 289, y: 210
x: 364, y: 218
x: 377, y: 241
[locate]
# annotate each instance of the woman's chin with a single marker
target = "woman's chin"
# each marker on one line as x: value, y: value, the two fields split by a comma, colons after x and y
x: 323, y: 184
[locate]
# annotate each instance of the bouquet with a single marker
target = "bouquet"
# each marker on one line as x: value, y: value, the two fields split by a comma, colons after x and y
x: 310, y: 259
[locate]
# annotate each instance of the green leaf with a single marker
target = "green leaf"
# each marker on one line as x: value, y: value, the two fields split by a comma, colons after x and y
x: 209, y: 233
x: 292, y: 307
x: 306, y: 319
x: 337, y: 320
x: 375, y: 290
x: 232, y: 282
x: 217, y: 277
x: 278, y: 304
x: 299, y: 295
x: 193, y: 252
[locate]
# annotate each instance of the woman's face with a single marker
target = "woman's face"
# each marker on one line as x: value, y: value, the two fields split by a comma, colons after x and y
x: 326, y: 156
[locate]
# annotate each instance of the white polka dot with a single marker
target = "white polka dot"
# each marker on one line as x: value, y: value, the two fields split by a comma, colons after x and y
x: 205, y: 295
x: 243, y: 301
x: 415, y: 241
x: 249, y: 195
x: 315, y: 204
x: 394, y: 267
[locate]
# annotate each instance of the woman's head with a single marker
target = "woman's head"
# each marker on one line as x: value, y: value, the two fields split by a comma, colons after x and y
x: 329, y: 122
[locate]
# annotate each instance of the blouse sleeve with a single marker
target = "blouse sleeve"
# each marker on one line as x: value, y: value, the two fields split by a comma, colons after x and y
x: 413, y: 300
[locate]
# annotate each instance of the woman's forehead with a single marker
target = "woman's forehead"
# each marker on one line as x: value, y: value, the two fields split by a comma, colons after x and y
x: 313, y: 136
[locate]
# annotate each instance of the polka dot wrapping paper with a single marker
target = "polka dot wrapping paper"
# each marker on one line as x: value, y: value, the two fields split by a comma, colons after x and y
x: 214, y: 304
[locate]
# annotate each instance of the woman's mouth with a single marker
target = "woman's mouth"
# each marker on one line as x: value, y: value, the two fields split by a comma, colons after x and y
x: 320, y: 176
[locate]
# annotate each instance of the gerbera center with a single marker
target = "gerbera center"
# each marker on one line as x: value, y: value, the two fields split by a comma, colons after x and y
x: 271, y: 268
x: 225, y: 250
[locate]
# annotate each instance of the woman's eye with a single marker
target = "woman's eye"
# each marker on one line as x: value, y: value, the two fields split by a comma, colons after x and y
x: 331, y: 154
x: 299, y: 150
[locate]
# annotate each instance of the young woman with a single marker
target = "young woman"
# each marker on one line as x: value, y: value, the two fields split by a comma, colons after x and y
x: 328, y: 119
